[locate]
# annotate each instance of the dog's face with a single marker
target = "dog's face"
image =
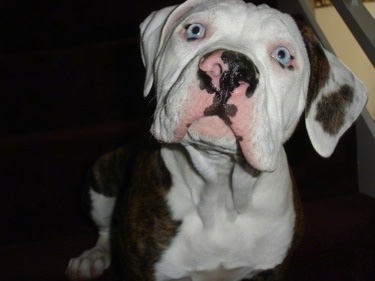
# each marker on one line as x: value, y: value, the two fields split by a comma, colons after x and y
x: 235, y: 77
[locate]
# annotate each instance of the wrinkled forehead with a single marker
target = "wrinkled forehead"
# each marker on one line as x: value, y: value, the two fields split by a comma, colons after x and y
x: 232, y: 17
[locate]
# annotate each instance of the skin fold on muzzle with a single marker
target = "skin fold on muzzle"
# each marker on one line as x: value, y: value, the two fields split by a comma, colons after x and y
x: 221, y: 72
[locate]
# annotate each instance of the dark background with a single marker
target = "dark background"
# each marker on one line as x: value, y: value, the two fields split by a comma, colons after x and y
x: 71, y: 82
x: 40, y: 25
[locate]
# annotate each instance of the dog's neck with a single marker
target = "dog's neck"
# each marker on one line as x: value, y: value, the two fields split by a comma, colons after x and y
x: 215, y: 185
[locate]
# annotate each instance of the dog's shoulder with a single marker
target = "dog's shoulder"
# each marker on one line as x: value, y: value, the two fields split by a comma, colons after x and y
x: 115, y: 169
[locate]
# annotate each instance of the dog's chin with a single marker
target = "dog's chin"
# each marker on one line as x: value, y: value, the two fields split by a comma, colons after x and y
x: 211, y: 133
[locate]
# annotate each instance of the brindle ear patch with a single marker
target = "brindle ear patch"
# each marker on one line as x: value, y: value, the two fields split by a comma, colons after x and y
x: 319, y: 66
x: 331, y: 109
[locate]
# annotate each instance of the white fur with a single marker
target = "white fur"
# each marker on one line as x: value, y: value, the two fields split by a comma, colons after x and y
x: 279, y: 98
x: 171, y: 63
x: 91, y: 263
x: 235, y: 221
x: 237, y: 215
x: 323, y: 142
x: 216, y: 236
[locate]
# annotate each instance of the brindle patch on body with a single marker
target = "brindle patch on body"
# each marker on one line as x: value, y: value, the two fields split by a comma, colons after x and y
x: 143, y: 227
x: 107, y: 173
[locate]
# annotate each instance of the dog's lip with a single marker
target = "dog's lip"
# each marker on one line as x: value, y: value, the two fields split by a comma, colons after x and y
x: 211, y: 125
x: 210, y: 129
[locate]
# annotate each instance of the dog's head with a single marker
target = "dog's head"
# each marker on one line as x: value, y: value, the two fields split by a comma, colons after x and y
x: 236, y: 77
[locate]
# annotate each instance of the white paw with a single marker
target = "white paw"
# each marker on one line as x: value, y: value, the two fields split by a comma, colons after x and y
x: 89, y: 265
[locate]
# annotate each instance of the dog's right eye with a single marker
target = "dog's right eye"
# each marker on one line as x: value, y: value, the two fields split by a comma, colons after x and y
x: 194, y: 31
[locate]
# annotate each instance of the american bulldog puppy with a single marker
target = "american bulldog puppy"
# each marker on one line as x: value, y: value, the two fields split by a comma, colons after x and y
x: 216, y: 200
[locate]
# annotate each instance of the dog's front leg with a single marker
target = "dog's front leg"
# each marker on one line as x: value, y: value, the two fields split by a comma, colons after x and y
x: 91, y: 263
x: 105, y: 180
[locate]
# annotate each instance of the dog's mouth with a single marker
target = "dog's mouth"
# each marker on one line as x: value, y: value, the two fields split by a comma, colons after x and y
x: 221, y: 108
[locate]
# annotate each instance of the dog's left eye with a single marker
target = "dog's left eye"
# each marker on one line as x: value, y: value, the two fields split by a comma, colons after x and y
x: 282, y: 55
x: 195, y: 31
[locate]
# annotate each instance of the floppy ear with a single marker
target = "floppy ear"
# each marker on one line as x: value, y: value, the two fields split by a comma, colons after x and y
x: 151, y: 29
x: 335, y: 96
x: 154, y: 30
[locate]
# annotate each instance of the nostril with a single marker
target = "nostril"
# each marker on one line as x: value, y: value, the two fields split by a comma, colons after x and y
x: 213, y: 69
x: 217, y: 70
x: 212, y: 64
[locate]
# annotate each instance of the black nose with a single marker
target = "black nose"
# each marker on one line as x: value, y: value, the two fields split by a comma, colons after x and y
x: 241, y: 69
x: 227, y: 71
x: 234, y: 68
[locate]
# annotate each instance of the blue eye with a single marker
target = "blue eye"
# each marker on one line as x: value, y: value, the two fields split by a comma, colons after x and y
x: 282, y: 55
x: 194, y: 31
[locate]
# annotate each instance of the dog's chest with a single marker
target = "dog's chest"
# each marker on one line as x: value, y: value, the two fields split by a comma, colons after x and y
x: 215, y: 241
x: 230, y: 250
x: 203, y: 254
